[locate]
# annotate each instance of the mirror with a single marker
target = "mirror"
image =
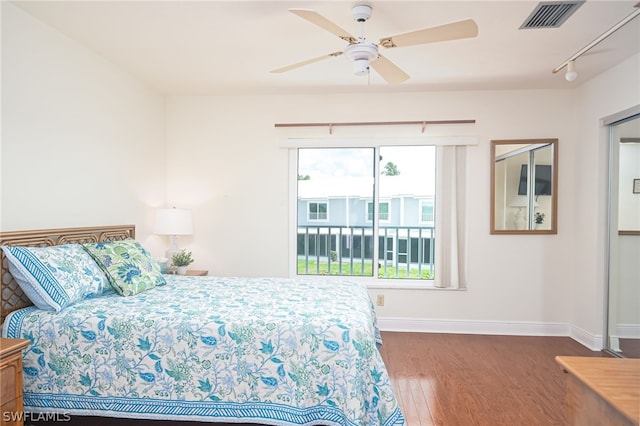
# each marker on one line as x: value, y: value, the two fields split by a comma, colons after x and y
x: 524, y: 186
x: 623, y: 313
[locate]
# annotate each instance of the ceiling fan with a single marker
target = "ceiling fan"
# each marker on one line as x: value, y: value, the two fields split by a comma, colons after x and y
x: 364, y: 54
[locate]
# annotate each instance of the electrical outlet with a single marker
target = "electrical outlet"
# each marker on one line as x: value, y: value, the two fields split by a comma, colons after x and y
x: 380, y: 300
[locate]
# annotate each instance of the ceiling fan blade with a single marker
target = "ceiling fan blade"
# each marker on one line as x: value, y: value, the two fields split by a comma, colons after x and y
x: 303, y: 63
x: 389, y: 71
x: 452, y: 31
x: 315, y: 18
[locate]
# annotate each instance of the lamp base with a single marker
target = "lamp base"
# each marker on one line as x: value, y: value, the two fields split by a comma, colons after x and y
x: 171, y: 251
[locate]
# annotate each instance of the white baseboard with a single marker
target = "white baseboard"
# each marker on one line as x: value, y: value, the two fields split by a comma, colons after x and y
x: 516, y: 328
x: 591, y: 341
x: 614, y: 343
x: 623, y: 331
x: 628, y: 331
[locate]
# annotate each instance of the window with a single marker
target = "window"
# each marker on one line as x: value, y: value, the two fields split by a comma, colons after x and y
x: 426, y: 211
x: 317, y: 211
x: 383, y: 211
x: 392, y: 240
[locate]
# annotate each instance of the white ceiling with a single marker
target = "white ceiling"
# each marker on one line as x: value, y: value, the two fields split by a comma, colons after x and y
x: 224, y: 47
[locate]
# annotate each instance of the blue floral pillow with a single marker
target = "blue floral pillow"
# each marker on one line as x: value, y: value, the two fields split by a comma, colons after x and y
x: 129, y: 267
x: 57, y: 276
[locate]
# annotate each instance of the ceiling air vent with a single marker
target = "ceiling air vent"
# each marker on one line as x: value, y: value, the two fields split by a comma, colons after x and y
x: 551, y: 14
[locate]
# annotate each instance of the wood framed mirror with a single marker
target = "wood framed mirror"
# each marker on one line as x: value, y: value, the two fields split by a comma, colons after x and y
x: 524, y: 186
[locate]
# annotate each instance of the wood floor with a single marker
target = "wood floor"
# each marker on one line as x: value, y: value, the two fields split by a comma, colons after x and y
x: 462, y: 380
x: 447, y: 379
x: 630, y: 347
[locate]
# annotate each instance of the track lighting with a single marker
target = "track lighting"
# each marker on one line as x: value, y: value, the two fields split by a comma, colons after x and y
x: 570, y: 63
x: 571, y: 73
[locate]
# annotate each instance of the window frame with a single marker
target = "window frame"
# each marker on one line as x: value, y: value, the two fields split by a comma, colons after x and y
x: 373, y: 281
x: 421, y: 203
x: 371, y: 203
x: 318, y: 202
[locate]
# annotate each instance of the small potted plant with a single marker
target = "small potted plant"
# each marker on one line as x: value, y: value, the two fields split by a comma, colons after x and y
x: 181, y: 260
x: 538, y: 218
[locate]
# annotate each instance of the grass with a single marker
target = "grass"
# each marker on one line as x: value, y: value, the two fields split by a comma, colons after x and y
x: 358, y: 270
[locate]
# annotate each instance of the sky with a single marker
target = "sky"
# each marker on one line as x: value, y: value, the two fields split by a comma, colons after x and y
x: 347, y: 168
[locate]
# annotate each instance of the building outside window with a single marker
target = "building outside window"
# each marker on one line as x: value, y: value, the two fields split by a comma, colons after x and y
x: 392, y: 241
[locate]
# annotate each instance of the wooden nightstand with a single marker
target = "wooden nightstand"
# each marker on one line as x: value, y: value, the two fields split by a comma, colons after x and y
x: 197, y: 272
x: 11, y: 381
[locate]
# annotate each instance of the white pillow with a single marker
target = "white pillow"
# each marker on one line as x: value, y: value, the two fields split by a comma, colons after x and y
x: 57, y: 276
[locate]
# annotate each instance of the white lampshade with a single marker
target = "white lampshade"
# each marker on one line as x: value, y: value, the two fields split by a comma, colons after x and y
x: 173, y: 222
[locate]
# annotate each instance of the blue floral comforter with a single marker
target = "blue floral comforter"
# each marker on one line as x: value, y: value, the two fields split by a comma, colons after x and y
x: 271, y: 351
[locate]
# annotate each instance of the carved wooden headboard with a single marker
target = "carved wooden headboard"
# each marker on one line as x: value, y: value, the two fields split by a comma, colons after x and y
x: 12, y: 297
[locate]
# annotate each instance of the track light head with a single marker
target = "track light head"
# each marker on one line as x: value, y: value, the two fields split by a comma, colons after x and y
x: 571, y: 73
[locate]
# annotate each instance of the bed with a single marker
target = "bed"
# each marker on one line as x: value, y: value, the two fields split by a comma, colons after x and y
x: 209, y: 349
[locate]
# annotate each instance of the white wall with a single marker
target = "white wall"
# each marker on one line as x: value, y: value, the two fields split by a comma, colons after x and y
x: 83, y: 142
x: 225, y: 162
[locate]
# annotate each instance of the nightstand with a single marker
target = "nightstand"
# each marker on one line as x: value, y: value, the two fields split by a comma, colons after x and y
x: 11, y: 381
x: 196, y: 272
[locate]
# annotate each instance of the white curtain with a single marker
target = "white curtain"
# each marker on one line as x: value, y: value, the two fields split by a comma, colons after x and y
x: 450, y: 220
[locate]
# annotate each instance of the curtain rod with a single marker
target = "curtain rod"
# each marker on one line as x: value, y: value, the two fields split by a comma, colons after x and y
x: 423, y: 123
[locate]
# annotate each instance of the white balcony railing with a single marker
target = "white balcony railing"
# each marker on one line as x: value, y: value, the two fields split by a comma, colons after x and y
x: 403, y: 252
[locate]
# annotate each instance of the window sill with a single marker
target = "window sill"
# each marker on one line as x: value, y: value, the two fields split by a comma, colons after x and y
x: 394, y: 284
x: 391, y: 284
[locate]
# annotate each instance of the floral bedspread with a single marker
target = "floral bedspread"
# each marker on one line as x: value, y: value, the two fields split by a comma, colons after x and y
x: 271, y: 351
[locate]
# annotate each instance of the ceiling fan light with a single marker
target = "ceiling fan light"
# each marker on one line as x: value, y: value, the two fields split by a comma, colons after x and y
x: 361, y: 54
x: 571, y: 73
x: 361, y: 66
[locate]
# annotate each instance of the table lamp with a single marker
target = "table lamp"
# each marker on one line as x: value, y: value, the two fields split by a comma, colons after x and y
x: 173, y: 222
